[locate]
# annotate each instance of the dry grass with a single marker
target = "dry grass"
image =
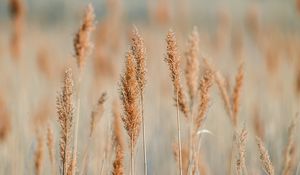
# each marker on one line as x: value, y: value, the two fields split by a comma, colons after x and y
x: 252, y: 58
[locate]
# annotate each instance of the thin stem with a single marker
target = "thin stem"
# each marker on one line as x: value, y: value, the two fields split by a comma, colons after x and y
x: 76, y: 124
x: 131, y: 157
x: 144, y: 136
x: 179, y: 136
x: 232, y: 152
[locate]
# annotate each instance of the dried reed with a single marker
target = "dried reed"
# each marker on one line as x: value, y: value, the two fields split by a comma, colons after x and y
x: 264, y: 157
x: 138, y: 51
x: 241, y: 146
x: 65, y: 117
x: 129, y: 97
x: 82, y: 47
x: 172, y: 59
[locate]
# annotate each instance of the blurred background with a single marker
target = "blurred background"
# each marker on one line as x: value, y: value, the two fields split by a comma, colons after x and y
x: 262, y: 33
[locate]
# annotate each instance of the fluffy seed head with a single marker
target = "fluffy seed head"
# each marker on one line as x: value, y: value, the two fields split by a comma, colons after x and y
x: 129, y: 97
x: 172, y: 59
x: 82, y: 43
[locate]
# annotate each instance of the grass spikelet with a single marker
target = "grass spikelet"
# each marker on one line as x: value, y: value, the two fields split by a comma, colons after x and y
x: 241, y: 146
x: 192, y: 64
x: 237, y: 93
x: 118, y: 165
x: 97, y: 113
x: 264, y: 157
x: 82, y: 43
x: 129, y: 97
x: 205, y: 84
x: 225, y: 97
x: 172, y: 59
x: 289, y: 153
x: 65, y: 117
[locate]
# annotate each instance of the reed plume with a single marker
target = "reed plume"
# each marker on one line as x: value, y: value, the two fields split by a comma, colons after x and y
x: 129, y: 97
x: 192, y: 64
x: 17, y: 13
x: 82, y: 47
x: 51, y: 149
x: 118, y: 165
x: 138, y: 51
x: 264, y: 157
x: 237, y: 93
x: 82, y: 43
x: 172, y: 59
x: 65, y: 117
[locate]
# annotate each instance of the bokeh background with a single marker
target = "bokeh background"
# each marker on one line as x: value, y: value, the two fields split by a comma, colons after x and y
x: 263, y: 33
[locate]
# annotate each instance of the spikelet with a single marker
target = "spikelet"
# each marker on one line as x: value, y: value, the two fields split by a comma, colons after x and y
x: 39, y: 155
x: 65, y: 117
x: 237, y: 93
x: 225, y: 97
x: 289, y: 154
x: 51, y: 149
x: 82, y: 43
x: 172, y: 59
x: 205, y: 84
x: 17, y: 12
x: 129, y: 97
x: 241, y: 146
x: 138, y: 51
x: 192, y: 64
x: 118, y: 165
x: 97, y: 113
x: 264, y: 157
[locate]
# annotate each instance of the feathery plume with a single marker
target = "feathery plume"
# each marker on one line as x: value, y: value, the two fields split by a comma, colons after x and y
x: 65, y: 117
x: 192, y: 64
x: 205, y: 84
x: 172, y: 59
x: 264, y: 157
x: 138, y: 51
x: 82, y: 44
x: 129, y: 97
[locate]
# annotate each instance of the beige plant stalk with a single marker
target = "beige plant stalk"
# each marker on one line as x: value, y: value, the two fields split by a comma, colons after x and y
x: 82, y: 48
x: 138, y: 51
